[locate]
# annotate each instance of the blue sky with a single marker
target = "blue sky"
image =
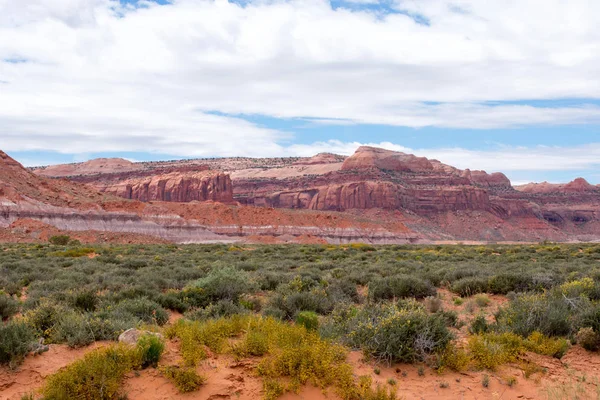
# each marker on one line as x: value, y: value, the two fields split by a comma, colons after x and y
x: 502, y: 87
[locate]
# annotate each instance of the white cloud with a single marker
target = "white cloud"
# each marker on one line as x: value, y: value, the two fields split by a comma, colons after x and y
x: 104, y: 77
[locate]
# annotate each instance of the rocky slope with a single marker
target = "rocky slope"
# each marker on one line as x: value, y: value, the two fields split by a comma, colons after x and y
x: 578, y: 186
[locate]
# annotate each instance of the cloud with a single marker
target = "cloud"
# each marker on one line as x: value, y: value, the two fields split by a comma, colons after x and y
x: 96, y: 75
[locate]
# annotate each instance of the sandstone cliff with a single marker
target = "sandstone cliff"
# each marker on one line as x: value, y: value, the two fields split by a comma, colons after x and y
x: 174, y: 186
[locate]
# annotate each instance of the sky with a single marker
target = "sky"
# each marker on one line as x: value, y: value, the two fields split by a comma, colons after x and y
x: 510, y: 86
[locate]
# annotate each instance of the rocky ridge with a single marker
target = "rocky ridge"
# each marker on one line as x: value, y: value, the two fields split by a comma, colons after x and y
x: 433, y: 201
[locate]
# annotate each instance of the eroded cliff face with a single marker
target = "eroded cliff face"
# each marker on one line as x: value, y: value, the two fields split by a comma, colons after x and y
x: 378, y: 178
x: 336, y: 197
x: 174, y: 186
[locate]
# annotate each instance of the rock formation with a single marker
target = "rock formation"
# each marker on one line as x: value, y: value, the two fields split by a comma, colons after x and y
x: 92, y: 167
x: 431, y: 200
x: 578, y: 185
x: 174, y: 186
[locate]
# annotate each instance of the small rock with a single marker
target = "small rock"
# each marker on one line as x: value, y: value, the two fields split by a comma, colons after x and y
x: 131, y: 336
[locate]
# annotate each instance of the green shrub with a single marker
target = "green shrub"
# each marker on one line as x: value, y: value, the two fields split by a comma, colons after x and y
x: 479, y: 325
x: 43, y: 317
x: 73, y: 329
x: 185, y: 379
x: 400, y: 287
x: 225, y: 284
x: 60, y: 240
x: 590, y: 318
x: 8, y: 306
x: 222, y: 308
x: 308, y: 319
x: 588, y: 339
x: 85, y: 300
x: 466, y: 287
x: 490, y: 350
x: 433, y: 304
x: 510, y: 282
x: 294, y: 297
x: 450, y: 318
x: 482, y: 300
x: 548, y: 313
x: 172, y: 300
x: 143, y: 309
x: 73, y: 253
x: 393, y: 334
x: 195, y: 335
x: 16, y: 341
x: 151, y: 348
x: 97, y: 376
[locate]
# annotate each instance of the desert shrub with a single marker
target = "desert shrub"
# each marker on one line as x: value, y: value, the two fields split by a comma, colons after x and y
x: 8, y: 306
x: 582, y: 287
x: 85, y: 300
x: 172, y: 300
x: 16, y: 341
x: 185, y: 379
x: 195, y: 335
x: 308, y: 319
x: 299, y: 295
x: 301, y: 356
x: 510, y: 282
x: 365, y: 390
x: 193, y: 297
x: 73, y: 329
x: 588, y: 339
x: 400, y: 286
x: 251, y: 302
x: 433, y: 304
x: 222, y: 308
x: 142, y: 309
x: 341, y: 290
x: 457, y: 274
x: 454, y: 358
x: 60, y: 240
x: 43, y: 317
x: 482, y: 300
x: 450, y: 318
x: 542, y: 344
x: 466, y: 287
x: 393, y: 334
x: 97, y: 376
x: 225, y: 284
x: 590, y: 318
x: 73, y: 253
x: 490, y: 350
x: 151, y: 348
x: 134, y: 264
x: 271, y: 280
x: 479, y: 325
x: 548, y: 313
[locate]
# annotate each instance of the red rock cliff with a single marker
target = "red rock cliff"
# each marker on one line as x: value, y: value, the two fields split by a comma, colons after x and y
x: 174, y: 186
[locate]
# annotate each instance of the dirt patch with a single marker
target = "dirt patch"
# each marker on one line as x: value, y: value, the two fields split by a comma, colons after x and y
x: 31, y: 374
